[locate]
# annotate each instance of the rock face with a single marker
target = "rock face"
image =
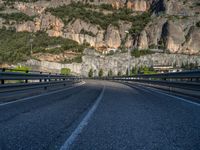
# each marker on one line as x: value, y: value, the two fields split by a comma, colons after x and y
x: 46, y: 22
x: 82, y: 31
x: 112, y: 37
x: 173, y: 37
x: 192, y: 43
x: 174, y: 25
x: 138, y: 5
x: 116, y: 63
x: 171, y: 33
x: 143, y: 41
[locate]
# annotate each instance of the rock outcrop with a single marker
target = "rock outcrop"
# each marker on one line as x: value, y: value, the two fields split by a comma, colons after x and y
x: 112, y: 37
x: 46, y: 22
x: 173, y: 25
x: 192, y: 44
x: 173, y: 36
x: 116, y: 63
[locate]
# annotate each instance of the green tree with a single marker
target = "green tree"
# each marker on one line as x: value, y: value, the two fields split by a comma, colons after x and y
x: 110, y: 73
x: 127, y: 73
x: 65, y: 71
x: 90, y: 73
x: 101, y: 73
x: 119, y: 73
x: 134, y: 70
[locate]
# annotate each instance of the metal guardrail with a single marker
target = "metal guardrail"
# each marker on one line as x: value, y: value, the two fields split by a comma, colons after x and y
x: 31, y: 79
x: 189, y: 81
x: 12, y: 74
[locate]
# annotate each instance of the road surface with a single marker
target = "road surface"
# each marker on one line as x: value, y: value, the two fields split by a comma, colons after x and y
x: 100, y: 115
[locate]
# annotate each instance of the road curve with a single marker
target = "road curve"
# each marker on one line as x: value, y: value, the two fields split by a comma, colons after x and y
x: 119, y: 118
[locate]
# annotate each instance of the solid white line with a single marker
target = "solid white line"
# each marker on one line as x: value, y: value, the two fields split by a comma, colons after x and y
x: 176, y: 97
x: 45, y: 94
x: 83, y: 123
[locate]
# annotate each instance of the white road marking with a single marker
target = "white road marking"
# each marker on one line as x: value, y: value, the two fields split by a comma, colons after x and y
x: 45, y: 94
x: 83, y: 123
x: 173, y: 96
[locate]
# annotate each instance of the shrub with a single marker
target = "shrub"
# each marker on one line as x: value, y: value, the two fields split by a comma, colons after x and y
x: 22, y: 69
x: 90, y: 73
x: 119, y: 73
x: 110, y: 73
x: 101, y: 73
x: 18, y: 17
x: 198, y: 24
x: 65, y: 71
x: 139, y: 22
x: 137, y: 53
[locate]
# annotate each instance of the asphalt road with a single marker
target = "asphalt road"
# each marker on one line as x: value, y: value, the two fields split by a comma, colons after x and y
x: 101, y: 115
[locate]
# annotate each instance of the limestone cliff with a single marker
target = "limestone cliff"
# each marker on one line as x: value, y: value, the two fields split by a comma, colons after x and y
x: 116, y: 63
x: 169, y: 28
x: 168, y: 25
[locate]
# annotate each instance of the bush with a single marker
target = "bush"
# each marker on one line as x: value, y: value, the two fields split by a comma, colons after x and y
x: 106, y: 6
x: 90, y: 73
x: 65, y: 71
x: 198, y: 24
x: 139, y: 22
x: 101, y: 73
x: 18, y: 17
x: 119, y: 73
x: 110, y: 73
x: 77, y: 59
x: 22, y: 69
x: 137, y: 53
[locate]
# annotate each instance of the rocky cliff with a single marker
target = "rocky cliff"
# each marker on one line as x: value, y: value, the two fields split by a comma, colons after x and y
x: 172, y: 25
x: 169, y: 25
x: 117, y: 63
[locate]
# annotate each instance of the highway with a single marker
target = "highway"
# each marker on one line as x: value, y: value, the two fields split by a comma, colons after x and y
x: 100, y: 115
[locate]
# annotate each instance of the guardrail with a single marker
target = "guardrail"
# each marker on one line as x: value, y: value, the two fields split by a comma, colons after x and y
x: 12, y: 79
x: 187, y: 82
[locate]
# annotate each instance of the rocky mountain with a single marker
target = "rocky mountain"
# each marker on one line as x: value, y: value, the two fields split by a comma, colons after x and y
x: 171, y: 26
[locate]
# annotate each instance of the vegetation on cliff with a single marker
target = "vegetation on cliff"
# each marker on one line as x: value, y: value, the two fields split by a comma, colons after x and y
x: 18, y: 17
x: 80, y: 11
x: 137, y: 53
x: 65, y: 71
x: 10, y: 2
x: 16, y: 46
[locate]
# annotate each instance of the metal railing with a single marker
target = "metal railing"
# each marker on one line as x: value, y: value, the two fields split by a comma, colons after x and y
x: 187, y: 82
x: 12, y: 79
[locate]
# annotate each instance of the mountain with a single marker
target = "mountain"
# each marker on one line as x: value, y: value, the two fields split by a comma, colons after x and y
x: 60, y: 30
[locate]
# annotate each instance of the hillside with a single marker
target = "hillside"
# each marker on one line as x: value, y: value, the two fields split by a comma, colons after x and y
x: 60, y: 30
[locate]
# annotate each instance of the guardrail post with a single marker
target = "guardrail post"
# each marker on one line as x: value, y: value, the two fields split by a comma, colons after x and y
x: 49, y: 77
x: 26, y: 81
x: 56, y: 77
x: 3, y: 81
x: 40, y: 79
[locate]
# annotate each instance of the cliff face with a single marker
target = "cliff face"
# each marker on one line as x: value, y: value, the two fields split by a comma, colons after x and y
x: 116, y: 63
x: 169, y: 25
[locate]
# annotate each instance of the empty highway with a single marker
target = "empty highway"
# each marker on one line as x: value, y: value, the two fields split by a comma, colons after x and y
x: 100, y: 115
